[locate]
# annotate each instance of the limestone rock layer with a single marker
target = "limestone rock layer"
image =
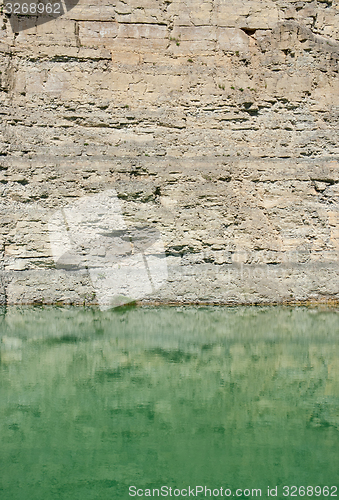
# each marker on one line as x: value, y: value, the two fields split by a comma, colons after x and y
x: 216, y: 123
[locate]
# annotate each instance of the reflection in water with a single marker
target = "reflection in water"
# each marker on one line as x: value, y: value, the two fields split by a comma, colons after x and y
x: 93, y: 402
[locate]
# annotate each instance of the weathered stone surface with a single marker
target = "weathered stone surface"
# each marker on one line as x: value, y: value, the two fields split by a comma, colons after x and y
x: 215, y: 122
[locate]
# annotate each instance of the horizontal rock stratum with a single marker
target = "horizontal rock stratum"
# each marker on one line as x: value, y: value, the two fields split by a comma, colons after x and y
x: 215, y: 122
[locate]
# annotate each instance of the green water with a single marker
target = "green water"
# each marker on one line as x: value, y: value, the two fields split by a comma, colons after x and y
x: 93, y: 402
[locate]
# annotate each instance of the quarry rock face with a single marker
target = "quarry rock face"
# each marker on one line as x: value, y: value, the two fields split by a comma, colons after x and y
x: 215, y: 122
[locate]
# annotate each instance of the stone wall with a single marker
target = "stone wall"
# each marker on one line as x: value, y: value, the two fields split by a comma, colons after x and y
x: 215, y: 121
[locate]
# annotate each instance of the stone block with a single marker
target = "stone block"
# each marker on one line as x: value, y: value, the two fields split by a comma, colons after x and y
x: 148, y: 31
x: 96, y: 32
x: 194, y: 33
x: 232, y: 40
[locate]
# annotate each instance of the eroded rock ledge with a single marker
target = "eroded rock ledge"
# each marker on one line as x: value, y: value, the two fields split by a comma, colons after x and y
x: 216, y: 122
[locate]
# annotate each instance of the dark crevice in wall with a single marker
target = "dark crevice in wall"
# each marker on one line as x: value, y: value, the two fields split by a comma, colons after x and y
x: 248, y: 31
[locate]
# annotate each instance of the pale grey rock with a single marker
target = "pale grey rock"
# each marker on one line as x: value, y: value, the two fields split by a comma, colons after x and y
x: 217, y: 125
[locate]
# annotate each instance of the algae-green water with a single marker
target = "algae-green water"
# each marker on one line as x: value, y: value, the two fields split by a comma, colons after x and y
x: 119, y: 404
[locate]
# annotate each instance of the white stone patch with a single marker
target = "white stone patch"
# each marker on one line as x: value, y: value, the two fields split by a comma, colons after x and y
x: 124, y: 263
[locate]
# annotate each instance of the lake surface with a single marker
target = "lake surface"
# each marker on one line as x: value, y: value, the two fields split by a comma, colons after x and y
x: 243, y: 398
